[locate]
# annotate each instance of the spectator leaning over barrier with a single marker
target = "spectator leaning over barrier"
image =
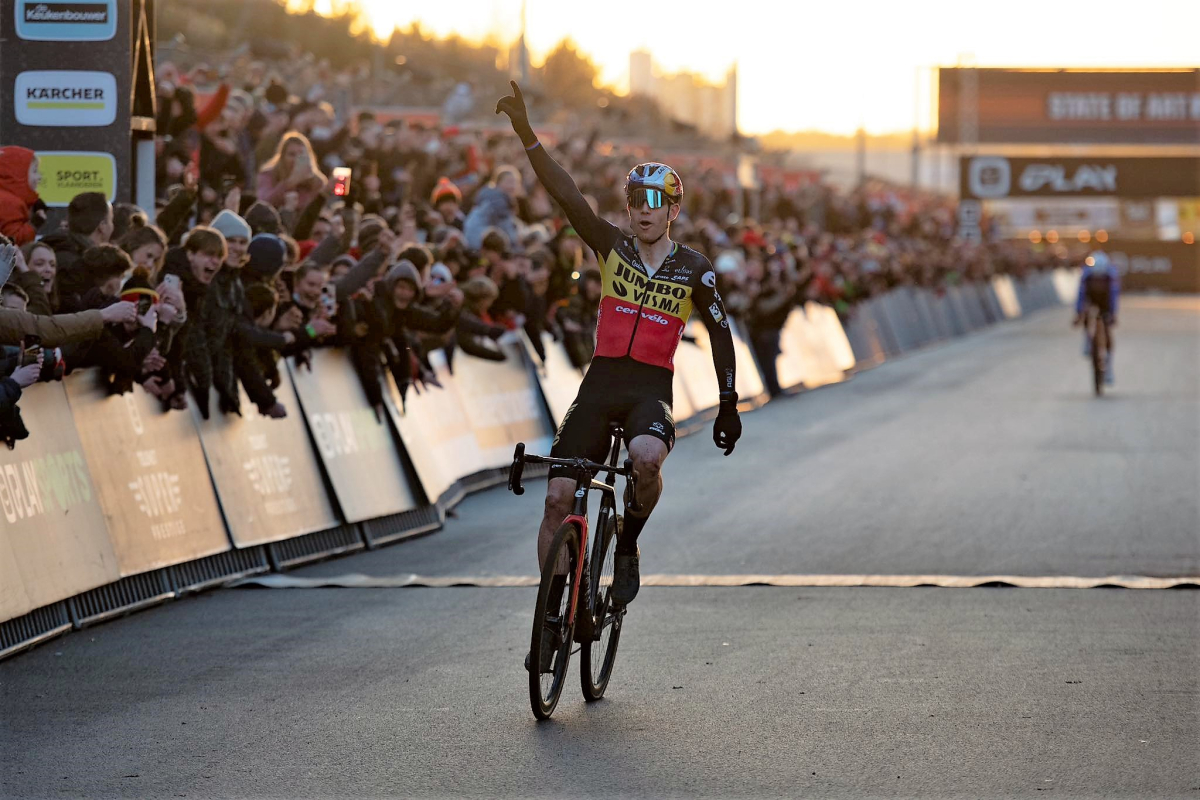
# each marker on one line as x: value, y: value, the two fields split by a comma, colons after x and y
x: 22, y: 212
x: 20, y: 370
x: 89, y: 222
x: 224, y: 307
x: 256, y: 347
x: 60, y: 329
x: 97, y: 278
x: 194, y: 265
x: 120, y: 349
x: 475, y: 326
x: 386, y: 314
x: 34, y: 273
x: 305, y: 314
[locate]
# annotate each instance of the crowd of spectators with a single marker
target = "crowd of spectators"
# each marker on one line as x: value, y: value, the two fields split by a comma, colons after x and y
x: 441, y: 239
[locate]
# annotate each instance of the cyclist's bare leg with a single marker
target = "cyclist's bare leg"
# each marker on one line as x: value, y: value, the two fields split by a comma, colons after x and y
x: 648, y: 454
x: 560, y: 498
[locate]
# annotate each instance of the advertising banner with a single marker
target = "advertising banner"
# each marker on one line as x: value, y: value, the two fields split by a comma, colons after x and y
x: 503, y: 405
x: 436, y: 432
x: 53, y: 524
x: 805, y: 357
x: 65, y: 90
x: 266, y: 473
x: 557, y: 376
x: 1014, y: 106
x: 360, y: 454
x: 149, y: 471
x: 1162, y: 266
x: 695, y: 371
x: 749, y: 383
x: 997, y: 177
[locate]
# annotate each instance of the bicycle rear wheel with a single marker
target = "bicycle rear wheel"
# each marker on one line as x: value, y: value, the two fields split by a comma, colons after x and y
x: 598, y: 655
x: 552, y: 629
x: 1099, y: 353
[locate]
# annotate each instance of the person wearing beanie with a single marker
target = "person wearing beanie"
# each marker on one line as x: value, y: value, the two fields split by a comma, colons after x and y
x: 266, y: 256
x: 369, y: 230
x: 263, y: 218
x: 224, y: 305
x: 447, y: 202
x: 232, y: 227
x: 253, y: 347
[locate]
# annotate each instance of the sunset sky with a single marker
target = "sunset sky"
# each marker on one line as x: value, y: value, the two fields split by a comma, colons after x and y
x: 829, y: 66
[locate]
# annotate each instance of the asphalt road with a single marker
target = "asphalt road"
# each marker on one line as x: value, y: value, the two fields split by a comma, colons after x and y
x: 985, y: 456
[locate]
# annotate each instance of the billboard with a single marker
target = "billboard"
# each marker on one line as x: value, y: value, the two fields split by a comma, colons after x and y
x: 265, y: 471
x: 361, y: 457
x: 1012, y: 106
x: 1161, y: 266
x: 988, y: 177
x: 53, y: 528
x: 150, y: 475
x: 65, y: 78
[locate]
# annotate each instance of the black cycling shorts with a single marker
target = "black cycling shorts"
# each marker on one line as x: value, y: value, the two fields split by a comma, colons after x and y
x: 642, y: 408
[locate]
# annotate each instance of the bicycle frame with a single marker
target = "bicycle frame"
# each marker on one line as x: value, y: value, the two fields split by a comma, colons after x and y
x: 585, y: 481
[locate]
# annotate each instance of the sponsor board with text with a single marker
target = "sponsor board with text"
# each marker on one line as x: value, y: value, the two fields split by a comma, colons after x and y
x: 265, y: 471
x: 1014, y: 106
x: 68, y: 173
x: 65, y: 98
x: 149, y: 471
x: 360, y: 454
x: 66, y: 20
x: 53, y: 527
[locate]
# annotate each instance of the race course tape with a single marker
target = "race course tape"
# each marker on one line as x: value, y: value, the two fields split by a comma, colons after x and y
x: 358, y: 581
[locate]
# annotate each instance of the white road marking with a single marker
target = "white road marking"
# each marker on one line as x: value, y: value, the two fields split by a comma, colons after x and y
x: 358, y: 581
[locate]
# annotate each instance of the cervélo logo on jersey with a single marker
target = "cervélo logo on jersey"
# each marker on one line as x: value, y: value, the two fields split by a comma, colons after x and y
x: 77, y: 20
x: 65, y: 98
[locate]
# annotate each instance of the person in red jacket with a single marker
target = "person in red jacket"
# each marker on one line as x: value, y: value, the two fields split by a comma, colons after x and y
x: 22, y: 212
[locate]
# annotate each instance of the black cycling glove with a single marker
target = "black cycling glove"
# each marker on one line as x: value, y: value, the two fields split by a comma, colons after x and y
x: 728, y: 427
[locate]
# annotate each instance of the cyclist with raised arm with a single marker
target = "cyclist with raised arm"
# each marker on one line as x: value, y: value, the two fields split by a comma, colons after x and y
x: 650, y: 285
x: 1099, y: 286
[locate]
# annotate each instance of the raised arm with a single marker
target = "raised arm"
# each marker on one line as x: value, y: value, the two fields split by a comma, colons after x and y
x: 598, y: 234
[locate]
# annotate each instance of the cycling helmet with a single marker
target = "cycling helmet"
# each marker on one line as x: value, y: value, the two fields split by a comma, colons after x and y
x: 1097, y: 259
x: 653, y: 175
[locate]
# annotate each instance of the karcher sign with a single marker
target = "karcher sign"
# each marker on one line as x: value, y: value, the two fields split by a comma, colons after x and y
x: 62, y: 98
x: 66, y: 174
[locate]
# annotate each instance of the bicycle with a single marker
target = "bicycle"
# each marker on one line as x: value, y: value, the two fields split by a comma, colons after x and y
x: 593, y: 621
x: 1096, y: 323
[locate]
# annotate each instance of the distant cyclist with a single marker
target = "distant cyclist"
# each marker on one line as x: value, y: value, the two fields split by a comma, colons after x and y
x: 650, y: 286
x: 1099, y: 286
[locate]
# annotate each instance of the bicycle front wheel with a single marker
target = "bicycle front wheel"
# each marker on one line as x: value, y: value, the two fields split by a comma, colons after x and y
x: 598, y: 655
x: 553, y: 625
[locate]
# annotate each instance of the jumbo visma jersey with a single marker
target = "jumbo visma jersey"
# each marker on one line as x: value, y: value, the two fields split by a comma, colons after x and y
x: 642, y: 317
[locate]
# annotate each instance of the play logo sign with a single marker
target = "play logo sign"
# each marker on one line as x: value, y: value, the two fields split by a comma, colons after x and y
x: 64, y: 98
